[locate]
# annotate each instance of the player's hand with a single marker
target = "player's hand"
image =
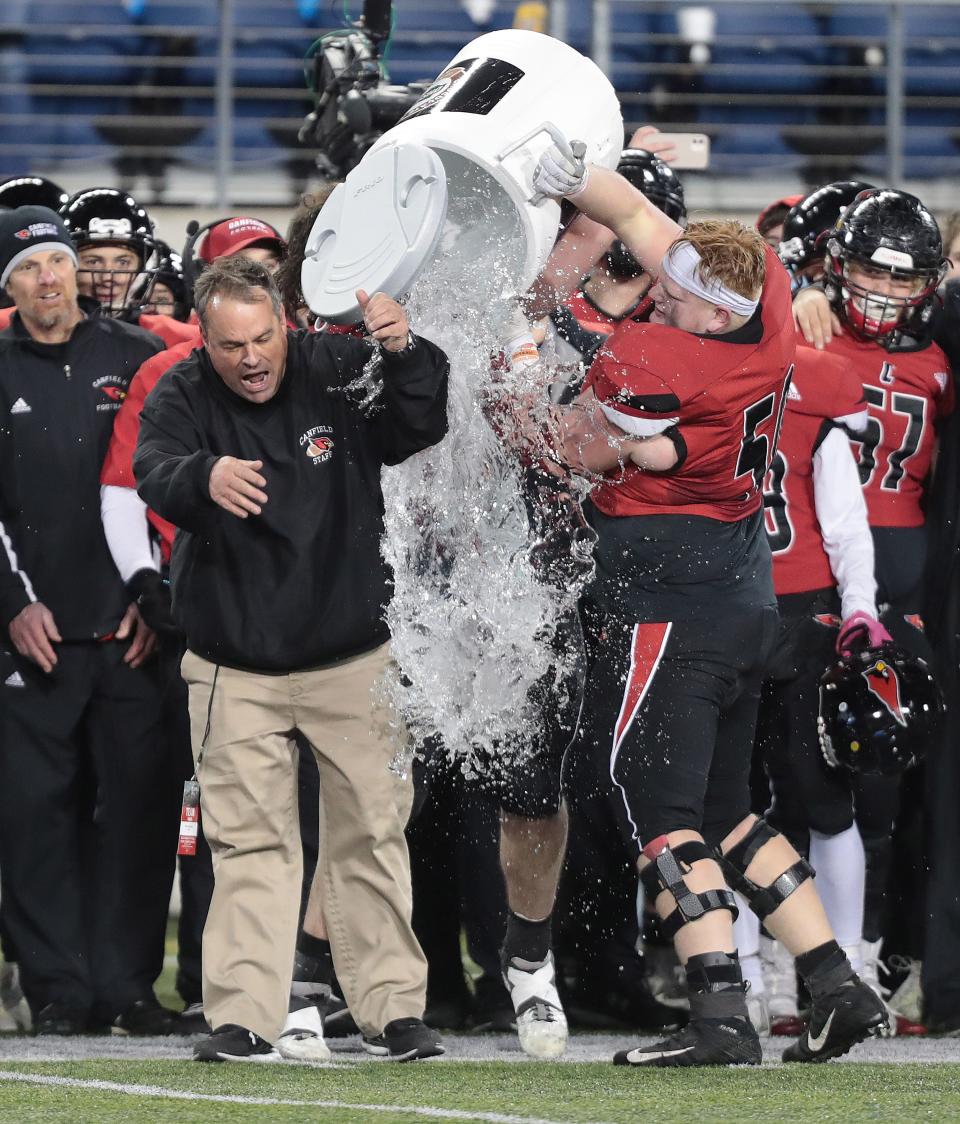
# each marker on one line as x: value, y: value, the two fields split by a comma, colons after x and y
x: 144, y: 638
x: 237, y: 486
x: 33, y: 632
x: 815, y: 318
x: 650, y: 139
x: 384, y: 319
x: 561, y: 171
x: 151, y: 595
x: 861, y: 630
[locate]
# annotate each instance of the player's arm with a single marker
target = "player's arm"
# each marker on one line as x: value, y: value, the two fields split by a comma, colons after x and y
x: 607, y: 198
x: 842, y: 515
x: 594, y: 441
x: 575, y: 253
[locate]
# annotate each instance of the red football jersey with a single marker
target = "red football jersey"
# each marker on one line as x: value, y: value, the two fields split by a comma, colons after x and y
x: 118, y: 467
x: 906, y: 392
x: 593, y: 319
x: 727, y: 398
x: 822, y: 388
x: 171, y: 331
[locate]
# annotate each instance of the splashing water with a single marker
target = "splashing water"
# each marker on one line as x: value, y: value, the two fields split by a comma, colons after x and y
x: 472, y: 623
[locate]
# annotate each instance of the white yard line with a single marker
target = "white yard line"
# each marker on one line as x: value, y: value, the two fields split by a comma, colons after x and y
x: 184, y: 1095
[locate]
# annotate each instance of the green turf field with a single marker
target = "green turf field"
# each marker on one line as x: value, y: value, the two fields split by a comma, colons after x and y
x: 495, y: 1092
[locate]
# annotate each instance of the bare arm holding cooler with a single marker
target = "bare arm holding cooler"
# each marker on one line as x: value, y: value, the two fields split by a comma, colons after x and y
x: 606, y: 198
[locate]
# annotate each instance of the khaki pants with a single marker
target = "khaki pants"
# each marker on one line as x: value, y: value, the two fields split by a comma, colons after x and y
x: 245, y: 723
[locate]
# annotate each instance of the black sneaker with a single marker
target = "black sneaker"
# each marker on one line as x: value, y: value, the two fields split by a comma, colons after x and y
x: 57, y: 1018
x: 703, y: 1042
x: 404, y: 1040
x: 146, y: 1018
x: 192, y: 1020
x: 838, y: 1020
x: 232, y: 1043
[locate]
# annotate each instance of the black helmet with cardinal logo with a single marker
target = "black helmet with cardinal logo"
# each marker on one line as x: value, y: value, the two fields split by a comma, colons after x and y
x: 880, y: 708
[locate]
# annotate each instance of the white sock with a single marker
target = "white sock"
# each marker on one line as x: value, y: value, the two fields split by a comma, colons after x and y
x: 841, y: 873
x: 746, y: 934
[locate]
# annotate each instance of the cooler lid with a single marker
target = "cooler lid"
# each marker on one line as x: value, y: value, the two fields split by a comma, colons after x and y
x: 376, y: 231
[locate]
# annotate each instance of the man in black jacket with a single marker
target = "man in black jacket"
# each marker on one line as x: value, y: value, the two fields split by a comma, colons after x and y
x: 84, y: 896
x: 265, y: 448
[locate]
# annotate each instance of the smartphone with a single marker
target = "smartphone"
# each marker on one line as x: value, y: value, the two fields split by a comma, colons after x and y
x: 693, y: 149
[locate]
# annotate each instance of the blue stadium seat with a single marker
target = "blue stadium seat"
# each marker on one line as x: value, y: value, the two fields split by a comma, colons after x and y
x: 932, y: 53
x: 427, y: 34
x: 765, y: 50
x: 81, y: 44
x: 631, y: 49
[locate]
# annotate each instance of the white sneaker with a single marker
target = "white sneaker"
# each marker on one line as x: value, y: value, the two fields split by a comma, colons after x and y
x: 301, y: 1039
x: 872, y: 967
x: 14, y: 1009
x: 780, y: 981
x: 759, y: 1013
x: 907, y: 1000
x: 541, y: 1023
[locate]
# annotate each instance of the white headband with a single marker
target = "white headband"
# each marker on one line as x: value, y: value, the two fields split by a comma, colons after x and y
x: 682, y: 265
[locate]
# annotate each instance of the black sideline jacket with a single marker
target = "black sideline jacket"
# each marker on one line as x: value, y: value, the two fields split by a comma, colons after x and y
x: 303, y: 584
x: 57, y: 405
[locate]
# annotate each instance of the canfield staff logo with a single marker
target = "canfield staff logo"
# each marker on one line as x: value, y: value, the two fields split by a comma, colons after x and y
x: 38, y: 230
x: 112, y: 389
x: 317, y: 443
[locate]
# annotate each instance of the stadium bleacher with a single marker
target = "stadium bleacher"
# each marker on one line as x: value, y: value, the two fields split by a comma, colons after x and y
x: 777, y: 86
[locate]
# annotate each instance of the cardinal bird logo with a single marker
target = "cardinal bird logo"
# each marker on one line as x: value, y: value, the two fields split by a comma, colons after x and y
x: 115, y: 393
x: 883, y: 681
x: 319, y: 446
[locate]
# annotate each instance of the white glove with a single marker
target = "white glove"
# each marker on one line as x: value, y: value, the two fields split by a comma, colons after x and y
x: 560, y: 171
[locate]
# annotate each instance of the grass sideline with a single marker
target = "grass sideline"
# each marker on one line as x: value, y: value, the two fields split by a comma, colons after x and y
x: 508, y: 1093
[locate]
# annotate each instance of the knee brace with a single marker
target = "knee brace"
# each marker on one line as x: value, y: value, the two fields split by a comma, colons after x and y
x: 763, y: 899
x: 668, y: 866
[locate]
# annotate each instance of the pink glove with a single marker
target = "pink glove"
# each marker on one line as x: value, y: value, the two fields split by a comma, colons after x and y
x: 861, y: 628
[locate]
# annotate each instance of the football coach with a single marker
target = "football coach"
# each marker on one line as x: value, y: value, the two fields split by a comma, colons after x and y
x: 264, y: 448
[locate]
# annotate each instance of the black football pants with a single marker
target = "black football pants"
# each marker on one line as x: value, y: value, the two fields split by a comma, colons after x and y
x: 88, y: 828
x: 670, y: 711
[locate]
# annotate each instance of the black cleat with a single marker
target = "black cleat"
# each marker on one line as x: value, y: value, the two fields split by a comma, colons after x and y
x: 838, y: 1020
x: 146, y: 1019
x: 405, y: 1040
x: 58, y: 1018
x: 232, y: 1043
x: 702, y: 1042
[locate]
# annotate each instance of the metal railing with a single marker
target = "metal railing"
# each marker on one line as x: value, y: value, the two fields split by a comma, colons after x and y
x: 802, y: 88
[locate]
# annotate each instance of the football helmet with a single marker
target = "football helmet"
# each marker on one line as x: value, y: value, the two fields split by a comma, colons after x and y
x: 806, y: 221
x: 151, y: 295
x: 101, y: 217
x: 892, y: 235
x: 880, y: 708
x: 32, y: 191
x: 661, y: 185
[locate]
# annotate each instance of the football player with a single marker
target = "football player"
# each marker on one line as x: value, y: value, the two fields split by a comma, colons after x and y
x: 118, y: 258
x: 884, y: 263
x: 823, y: 573
x: 680, y: 418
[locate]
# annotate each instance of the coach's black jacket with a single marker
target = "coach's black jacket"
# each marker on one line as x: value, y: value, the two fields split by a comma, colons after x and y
x: 303, y: 583
x: 57, y: 405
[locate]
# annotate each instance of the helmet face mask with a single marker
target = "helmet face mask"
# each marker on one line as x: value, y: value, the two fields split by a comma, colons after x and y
x: 877, y: 302
x: 118, y: 254
x: 883, y: 266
